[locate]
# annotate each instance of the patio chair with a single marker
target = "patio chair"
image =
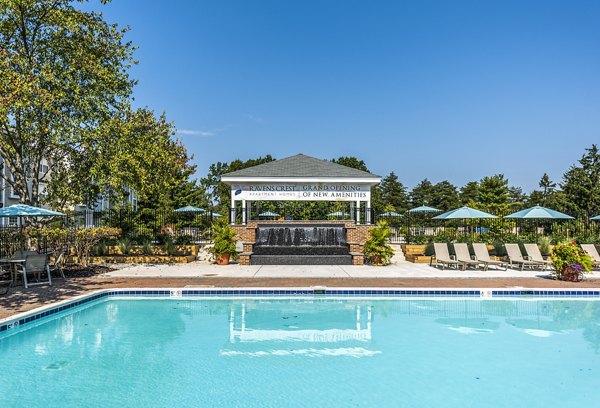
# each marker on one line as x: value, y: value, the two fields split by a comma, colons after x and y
x: 6, y: 277
x: 442, y: 257
x: 34, y: 264
x: 483, y: 256
x: 515, y: 257
x: 591, y: 250
x: 22, y: 253
x: 59, y: 264
x: 463, y: 255
x: 534, y: 254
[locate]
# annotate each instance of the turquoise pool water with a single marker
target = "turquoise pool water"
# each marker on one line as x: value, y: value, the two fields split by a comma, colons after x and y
x: 307, y: 353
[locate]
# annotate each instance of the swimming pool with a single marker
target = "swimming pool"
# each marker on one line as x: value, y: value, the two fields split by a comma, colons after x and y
x: 306, y: 350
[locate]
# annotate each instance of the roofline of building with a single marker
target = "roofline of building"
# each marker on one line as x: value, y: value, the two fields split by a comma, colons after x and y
x: 355, y: 180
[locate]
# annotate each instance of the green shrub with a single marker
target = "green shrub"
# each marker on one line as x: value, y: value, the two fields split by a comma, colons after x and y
x: 147, y: 248
x: 376, y: 247
x: 568, y: 253
x: 223, y: 239
x: 184, y: 240
x: 544, y: 243
x: 125, y: 245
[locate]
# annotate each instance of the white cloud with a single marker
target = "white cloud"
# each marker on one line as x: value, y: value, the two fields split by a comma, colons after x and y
x: 201, y: 133
x: 253, y: 118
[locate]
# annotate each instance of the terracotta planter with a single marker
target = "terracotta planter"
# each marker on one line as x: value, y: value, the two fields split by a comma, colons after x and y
x: 376, y: 260
x: 222, y: 259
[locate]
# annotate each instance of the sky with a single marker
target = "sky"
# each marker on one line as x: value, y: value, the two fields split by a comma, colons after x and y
x: 445, y: 90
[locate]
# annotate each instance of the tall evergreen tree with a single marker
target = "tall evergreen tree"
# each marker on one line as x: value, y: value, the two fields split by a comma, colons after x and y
x: 393, y: 193
x: 494, y: 194
x: 581, y: 185
x: 422, y: 193
x: 469, y: 193
x: 444, y: 196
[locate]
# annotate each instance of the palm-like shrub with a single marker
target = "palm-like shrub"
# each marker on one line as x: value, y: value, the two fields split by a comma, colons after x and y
x: 376, y: 247
x: 223, y: 239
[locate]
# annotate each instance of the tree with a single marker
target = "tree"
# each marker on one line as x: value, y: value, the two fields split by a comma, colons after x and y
x: 393, y: 193
x: 494, y: 194
x: 421, y: 194
x: 65, y: 96
x: 469, y: 194
x: 444, y: 196
x: 581, y: 185
x: 516, y: 197
x: 351, y: 161
x: 218, y: 192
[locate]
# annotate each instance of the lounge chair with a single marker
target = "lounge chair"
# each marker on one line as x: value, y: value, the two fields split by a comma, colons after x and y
x: 515, y: 257
x: 5, y: 277
x: 442, y: 257
x: 534, y: 254
x: 591, y: 250
x: 34, y: 264
x: 483, y: 256
x: 59, y: 264
x: 462, y: 255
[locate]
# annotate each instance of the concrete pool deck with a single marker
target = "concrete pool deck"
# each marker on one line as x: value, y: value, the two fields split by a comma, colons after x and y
x: 401, y: 275
x: 399, y: 270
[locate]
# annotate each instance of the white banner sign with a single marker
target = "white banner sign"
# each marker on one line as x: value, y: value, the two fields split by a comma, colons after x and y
x: 302, y: 192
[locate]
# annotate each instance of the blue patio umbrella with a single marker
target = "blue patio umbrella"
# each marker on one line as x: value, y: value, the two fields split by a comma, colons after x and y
x: 390, y: 214
x: 216, y: 214
x: 269, y: 214
x: 539, y: 212
x: 24, y: 210
x: 337, y: 214
x: 596, y: 218
x: 189, y: 208
x: 463, y: 213
x: 423, y: 208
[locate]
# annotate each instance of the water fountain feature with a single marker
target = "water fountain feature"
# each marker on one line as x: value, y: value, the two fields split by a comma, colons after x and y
x: 297, y: 244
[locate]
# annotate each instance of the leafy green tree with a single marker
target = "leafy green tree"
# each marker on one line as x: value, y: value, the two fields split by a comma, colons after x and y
x: 581, y: 185
x: 422, y: 193
x: 65, y: 96
x: 469, y: 194
x: 494, y: 194
x: 516, y: 198
x: 444, y: 196
x: 218, y: 192
x: 351, y: 161
x: 393, y: 194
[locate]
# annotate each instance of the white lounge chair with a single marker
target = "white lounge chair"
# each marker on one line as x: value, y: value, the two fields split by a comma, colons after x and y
x: 463, y: 255
x: 534, y: 254
x: 442, y: 257
x: 515, y: 257
x: 592, y: 251
x: 483, y: 256
x: 35, y: 264
x: 6, y: 277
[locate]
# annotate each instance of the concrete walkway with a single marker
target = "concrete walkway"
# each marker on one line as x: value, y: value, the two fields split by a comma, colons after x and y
x: 400, y: 270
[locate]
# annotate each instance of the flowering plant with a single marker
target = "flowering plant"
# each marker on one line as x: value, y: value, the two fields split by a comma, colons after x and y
x: 570, y: 255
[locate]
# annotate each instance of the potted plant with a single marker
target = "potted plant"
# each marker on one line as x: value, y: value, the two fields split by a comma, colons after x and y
x: 570, y: 261
x: 223, y: 242
x: 376, y: 247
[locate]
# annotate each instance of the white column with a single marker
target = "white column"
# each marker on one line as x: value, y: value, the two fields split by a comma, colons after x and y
x: 357, y: 212
x: 243, y: 212
x: 368, y: 212
x: 232, y: 213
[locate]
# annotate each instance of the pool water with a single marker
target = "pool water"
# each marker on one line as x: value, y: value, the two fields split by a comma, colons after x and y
x: 307, y: 353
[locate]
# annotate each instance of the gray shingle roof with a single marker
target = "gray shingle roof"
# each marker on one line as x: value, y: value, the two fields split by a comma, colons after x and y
x: 300, y: 166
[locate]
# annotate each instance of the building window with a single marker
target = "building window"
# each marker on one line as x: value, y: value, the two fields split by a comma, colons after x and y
x: 43, y: 168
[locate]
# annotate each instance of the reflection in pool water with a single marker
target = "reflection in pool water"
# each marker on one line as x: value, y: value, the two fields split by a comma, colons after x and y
x: 307, y: 352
